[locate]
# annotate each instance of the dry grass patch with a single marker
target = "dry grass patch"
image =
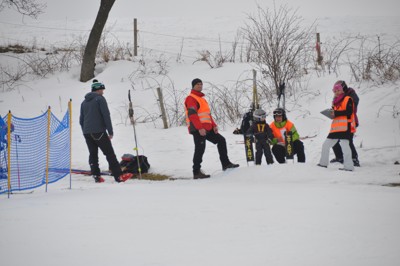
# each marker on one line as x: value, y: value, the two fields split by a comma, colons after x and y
x: 154, y: 177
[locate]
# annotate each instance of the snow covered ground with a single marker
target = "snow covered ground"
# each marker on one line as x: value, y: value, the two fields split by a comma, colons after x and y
x: 291, y: 214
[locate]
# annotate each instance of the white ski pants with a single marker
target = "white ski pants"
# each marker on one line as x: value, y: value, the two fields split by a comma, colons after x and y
x: 345, y: 144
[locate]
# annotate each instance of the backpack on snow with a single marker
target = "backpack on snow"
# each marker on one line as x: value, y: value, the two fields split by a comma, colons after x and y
x: 129, y: 164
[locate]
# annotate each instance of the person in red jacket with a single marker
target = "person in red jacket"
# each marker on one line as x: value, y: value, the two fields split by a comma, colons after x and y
x: 202, y: 126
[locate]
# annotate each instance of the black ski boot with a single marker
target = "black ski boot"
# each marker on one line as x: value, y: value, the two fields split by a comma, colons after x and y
x: 200, y: 175
x: 230, y: 165
x: 337, y: 160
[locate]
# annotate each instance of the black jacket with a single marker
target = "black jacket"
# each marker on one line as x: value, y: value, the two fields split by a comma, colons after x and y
x: 261, y: 131
x: 95, y: 116
x: 352, y: 93
x: 246, y: 122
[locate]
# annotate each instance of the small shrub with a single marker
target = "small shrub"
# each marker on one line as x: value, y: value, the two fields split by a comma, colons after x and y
x: 15, y: 48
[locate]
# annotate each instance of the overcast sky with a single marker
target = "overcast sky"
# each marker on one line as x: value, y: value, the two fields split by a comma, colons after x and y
x: 198, y: 9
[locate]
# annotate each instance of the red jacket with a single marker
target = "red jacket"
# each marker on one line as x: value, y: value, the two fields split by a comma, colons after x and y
x: 193, y: 106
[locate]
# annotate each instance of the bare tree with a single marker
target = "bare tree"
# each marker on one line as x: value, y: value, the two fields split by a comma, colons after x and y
x: 30, y: 8
x: 334, y: 51
x: 280, y: 46
x: 89, y: 56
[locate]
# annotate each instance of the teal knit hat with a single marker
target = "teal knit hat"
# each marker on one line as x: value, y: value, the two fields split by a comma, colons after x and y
x: 96, y: 85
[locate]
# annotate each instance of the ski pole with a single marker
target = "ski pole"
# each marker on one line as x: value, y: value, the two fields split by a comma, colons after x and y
x: 134, y: 133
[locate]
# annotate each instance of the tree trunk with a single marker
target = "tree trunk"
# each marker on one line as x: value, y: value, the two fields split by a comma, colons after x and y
x: 88, y: 62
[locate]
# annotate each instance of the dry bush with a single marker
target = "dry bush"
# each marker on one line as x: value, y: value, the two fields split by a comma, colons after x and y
x: 15, y: 48
x: 10, y: 78
x: 214, y: 61
x: 375, y: 61
x: 280, y: 46
x: 334, y: 50
x: 173, y: 99
x: 42, y: 62
x: 150, y: 64
x: 173, y: 102
x: 110, y: 49
x: 226, y: 103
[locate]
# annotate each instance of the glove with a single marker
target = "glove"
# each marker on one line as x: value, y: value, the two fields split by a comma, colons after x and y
x: 237, y: 131
x: 251, y: 137
x: 274, y: 141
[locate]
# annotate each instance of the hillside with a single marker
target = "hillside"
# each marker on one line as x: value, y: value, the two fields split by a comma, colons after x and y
x: 289, y: 214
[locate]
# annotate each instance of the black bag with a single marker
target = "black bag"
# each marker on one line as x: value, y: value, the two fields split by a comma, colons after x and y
x: 129, y: 164
x: 246, y: 122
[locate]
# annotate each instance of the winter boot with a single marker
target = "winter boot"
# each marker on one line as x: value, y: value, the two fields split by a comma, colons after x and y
x: 356, y: 162
x: 98, y: 179
x: 200, y: 175
x: 337, y: 160
x: 124, y: 177
x: 230, y: 165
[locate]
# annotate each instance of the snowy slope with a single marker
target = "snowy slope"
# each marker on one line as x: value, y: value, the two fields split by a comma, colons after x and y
x: 291, y: 214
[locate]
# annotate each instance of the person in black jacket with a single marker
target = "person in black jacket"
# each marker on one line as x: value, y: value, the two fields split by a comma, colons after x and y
x: 337, y: 148
x: 95, y: 121
x: 247, y: 120
x: 263, y: 136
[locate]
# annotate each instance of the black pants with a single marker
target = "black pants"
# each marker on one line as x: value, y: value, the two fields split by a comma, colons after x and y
x: 200, y: 147
x: 279, y: 152
x: 262, y: 147
x: 337, y: 149
x: 100, y: 140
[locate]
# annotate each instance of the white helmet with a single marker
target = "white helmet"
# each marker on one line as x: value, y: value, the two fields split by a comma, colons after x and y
x: 259, y: 114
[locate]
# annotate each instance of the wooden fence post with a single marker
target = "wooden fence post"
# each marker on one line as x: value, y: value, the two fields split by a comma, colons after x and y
x: 135, y: 31
x: 163, y: 114
x: 318, y: 47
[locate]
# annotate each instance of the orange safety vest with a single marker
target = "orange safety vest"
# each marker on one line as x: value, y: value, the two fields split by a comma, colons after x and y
x: 279, y: 133
x: 203, y: 112
x: 339, y: 123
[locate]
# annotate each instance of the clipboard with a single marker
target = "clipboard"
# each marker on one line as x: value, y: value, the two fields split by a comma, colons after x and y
x: 327, y: 112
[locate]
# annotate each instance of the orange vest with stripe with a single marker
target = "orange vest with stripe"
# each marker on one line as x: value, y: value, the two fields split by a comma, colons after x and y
x: 203, y: 112
x: 279, y: 133
x: 340, y: 123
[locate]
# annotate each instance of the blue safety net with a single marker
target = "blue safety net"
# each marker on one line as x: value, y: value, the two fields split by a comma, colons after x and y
x: 39, y: 151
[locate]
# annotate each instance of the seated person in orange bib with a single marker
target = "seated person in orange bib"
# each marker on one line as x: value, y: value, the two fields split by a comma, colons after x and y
x: 202, y: 126
x: 281, y: 125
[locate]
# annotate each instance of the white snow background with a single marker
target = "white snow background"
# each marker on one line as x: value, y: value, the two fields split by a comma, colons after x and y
x: 290, y: 214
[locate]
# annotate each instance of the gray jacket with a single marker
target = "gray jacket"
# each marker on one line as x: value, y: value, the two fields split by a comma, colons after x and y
x: 95, y: 116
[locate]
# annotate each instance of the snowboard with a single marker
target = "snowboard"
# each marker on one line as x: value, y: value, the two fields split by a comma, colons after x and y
x: 289, y: 145
x: 248, y: 146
